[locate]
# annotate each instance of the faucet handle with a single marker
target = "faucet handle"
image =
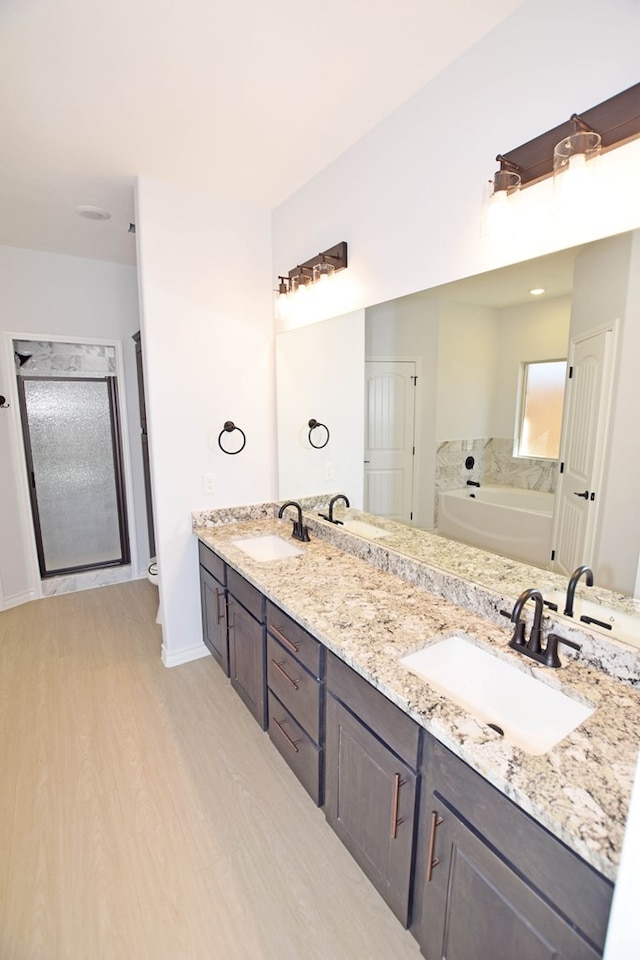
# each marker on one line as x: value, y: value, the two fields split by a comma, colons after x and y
x: 551, y: 657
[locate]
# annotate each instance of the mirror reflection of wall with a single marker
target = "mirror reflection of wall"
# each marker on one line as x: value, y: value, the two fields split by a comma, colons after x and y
x: 320, y: 375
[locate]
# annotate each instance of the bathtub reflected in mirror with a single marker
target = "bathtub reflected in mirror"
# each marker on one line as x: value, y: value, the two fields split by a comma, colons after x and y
x: 511, y: 521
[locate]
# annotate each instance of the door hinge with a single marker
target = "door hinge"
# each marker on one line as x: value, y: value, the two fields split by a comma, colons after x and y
x: 415, y: 380
x: 553, y: 554
x: 33, y: 480
x: 562, y: 466
x: 413, y: 451
x: 592, y: 497
x: 411, y: 515
x: 570, y: 373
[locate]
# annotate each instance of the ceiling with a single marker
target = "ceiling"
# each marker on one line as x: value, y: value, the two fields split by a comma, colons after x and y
x: 246, y: 99
x: 510, y: 286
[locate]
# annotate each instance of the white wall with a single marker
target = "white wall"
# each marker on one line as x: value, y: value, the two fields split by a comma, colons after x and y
x: 207, y: 325
x: 320, y: 375
x: 408, y: 196
x: 467, y: 371
x: 45, y: 294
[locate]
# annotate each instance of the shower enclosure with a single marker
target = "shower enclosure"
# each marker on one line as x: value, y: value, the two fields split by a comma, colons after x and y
x: 72, y: 445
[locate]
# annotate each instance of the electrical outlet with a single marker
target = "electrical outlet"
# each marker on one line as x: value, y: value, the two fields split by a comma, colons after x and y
x: 328, y: 471
x: 209, y: 482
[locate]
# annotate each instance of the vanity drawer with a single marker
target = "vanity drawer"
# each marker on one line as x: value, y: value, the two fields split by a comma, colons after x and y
x: 300, y: 752
x: 211, y: 562
x: 297, y: 689
x: 294, y: 638
x: 400, y: 732
x: 245, y: 593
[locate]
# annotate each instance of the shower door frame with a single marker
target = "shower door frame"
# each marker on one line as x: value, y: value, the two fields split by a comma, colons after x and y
x: 118, y: 469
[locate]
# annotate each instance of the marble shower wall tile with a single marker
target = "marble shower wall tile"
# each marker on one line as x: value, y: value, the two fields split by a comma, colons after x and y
x: 70, y: 583
x: 52, y: 358
x: 505, y: 470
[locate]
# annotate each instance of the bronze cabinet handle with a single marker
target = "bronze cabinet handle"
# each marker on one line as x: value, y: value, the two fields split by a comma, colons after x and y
x: 395, y: 823
x: 284, y: 673
x: 220, y: 616
x: 281, y: 637
x: 292, y: 743
x: 431, y: 860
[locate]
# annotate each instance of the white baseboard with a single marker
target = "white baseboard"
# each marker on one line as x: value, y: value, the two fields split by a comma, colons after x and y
x: 184, y: 656
x: 18, y: 598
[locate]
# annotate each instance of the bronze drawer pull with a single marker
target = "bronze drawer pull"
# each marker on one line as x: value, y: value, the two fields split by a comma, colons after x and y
x: 395, y: 823
x: 292, y: 743
x: 431, y: 860
x: 284, y: 673
x: 281, y: 637
x: 220, y: 616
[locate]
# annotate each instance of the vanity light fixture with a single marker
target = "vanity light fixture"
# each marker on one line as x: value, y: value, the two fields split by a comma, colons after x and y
x: 506, y: 182
x: 537, y: 291
x: 572, y: 144
x: 317, y: 270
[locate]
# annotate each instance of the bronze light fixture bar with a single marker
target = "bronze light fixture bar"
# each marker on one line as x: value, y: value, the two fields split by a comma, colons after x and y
x: 303, y: 272
x: 616, y: 120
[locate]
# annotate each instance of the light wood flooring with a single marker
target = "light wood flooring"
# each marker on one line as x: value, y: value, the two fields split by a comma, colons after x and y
x: 143, y: 813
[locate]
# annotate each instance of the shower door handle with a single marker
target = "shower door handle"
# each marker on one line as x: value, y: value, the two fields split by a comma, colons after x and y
x: 585, y: 495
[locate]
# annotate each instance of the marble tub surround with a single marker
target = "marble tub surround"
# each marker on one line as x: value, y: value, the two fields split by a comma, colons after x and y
x: 483, y: 583
x: 494, y: 463
x: 371, y: 618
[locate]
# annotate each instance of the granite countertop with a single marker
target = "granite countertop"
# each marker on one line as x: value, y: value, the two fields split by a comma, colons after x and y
x: 370, y: 618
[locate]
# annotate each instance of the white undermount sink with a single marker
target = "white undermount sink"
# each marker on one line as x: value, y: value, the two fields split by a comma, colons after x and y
x: 531, y: 714
x: 269, y: 547
x: 621, y: 626
x: 362, y: 529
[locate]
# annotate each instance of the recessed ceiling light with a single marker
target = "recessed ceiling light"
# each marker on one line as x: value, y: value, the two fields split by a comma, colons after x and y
x: 537, y: 291
x: 93, y: 213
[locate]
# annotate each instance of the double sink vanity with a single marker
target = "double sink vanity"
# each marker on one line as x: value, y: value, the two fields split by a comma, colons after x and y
x: 484, y: 794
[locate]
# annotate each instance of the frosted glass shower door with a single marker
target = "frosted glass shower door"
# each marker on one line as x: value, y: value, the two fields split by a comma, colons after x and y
x: 72, y: 447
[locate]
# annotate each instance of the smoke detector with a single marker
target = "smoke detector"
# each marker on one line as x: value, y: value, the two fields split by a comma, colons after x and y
x: 92, y: 213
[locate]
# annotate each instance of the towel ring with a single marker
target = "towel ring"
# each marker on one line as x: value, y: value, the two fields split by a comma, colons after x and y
x: 314, y: 425
x: 229, y: 427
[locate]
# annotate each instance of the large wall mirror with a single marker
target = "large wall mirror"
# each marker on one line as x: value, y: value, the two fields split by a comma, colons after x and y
x: 442, y: 375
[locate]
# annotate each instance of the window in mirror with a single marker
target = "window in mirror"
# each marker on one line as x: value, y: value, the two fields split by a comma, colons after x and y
x: 541, y: 401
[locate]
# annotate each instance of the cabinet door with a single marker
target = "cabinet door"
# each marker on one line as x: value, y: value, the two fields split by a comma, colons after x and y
x: 246, y: 658
x: 214, y: 618
x: 475, y: 907
x: 370, y: 802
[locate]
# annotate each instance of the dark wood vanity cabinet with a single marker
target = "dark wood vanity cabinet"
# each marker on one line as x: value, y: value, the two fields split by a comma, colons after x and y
x: 295, y: 698
x: 245, y: 621
x: 371, y: 758
x: 213, y: 598
x: 233, y: 628
x: 473, y: 875
x: 491, y: 882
